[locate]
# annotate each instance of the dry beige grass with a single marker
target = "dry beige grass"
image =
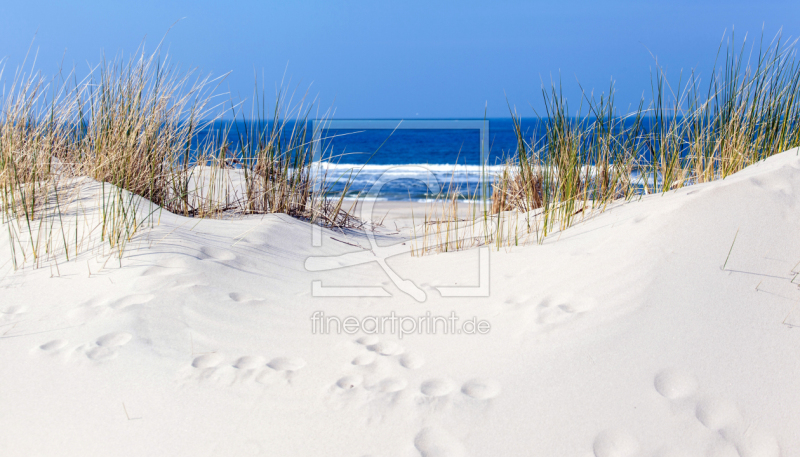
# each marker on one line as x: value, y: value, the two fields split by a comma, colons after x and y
x: 134, y: 124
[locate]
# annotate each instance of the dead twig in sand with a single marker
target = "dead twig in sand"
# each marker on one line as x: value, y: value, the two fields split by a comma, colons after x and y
x: 731, y: 250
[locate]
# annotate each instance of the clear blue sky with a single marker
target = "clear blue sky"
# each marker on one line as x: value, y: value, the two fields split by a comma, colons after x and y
x: 378, y: 59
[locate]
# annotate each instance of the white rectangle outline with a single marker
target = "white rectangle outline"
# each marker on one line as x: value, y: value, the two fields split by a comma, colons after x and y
x: 317, y: 126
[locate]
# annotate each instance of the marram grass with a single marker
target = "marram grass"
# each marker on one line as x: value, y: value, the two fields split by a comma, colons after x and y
x: 133, y: 126
x: 748, y: 111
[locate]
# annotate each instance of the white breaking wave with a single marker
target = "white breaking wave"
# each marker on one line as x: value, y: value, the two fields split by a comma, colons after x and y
x: 443, y: 173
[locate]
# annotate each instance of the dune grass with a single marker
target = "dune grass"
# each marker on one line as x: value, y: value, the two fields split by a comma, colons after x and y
x: 587, y: 160
x: 134, y: 125
x: 141, y: 130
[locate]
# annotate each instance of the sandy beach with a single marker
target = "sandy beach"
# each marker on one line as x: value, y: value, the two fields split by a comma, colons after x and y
x: 645, y: 330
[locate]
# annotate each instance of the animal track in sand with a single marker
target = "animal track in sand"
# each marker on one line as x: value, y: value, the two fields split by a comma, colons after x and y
x: 386, y: 347
x: 209, y: 369
x: 518, y: 301
x: 107, y: 346
x: 717, y: 413
x: 757, y: 443
x: 566, y: 308
x: 249, y: 362
x: 364, y: 359
x: 14, y: 309
x: 378, y: 372
x: 437, y: 387
x: 481, y: 389
x: 103, y: 348
x: 368, y: 340
x: 53, y: 345
x: 615, y: 443
x: 552, y: 311
x: 207, y: 360
x: 675, y: 384
x: 554, y: 315
x: 732, y: 435
x: 286, y: 363
x: 255, y: 239
x: 350, y: 382
x: 13, y: 313
x: 244, y: 370
x: 101, y: 353
x: 412, y: 361
x: 240, y: 298
x: 114, y: 339
x: 436, y: 442
x: 211, y: 253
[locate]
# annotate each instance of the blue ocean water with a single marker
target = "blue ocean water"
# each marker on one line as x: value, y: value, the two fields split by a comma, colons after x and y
x: 432, y: 160
x: 440, y: 159
x: 415, y: 163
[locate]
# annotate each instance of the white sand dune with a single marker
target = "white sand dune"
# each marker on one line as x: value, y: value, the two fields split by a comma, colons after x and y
x: 621, y: 336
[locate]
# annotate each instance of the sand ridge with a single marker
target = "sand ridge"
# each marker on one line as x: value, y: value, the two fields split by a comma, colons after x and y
x: 621, y: 336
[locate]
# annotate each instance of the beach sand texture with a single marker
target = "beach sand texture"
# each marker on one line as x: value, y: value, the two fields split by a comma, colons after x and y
x: 621, y: 336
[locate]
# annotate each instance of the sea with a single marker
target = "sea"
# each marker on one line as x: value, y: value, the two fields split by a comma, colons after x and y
x: 407, y: 164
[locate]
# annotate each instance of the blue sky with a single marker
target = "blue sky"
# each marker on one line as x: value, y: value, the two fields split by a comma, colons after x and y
x: 379, y: 59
